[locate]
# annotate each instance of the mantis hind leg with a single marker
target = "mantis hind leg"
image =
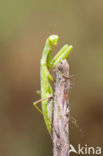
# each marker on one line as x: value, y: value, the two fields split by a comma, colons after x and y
x: 37, y: 102
x: 35, y: 105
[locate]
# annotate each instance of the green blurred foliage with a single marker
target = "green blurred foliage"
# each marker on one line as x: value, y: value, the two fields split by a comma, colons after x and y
x: 24, y: 26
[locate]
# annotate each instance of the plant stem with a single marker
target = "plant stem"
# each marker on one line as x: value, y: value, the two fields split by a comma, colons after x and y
x: 61, y: 110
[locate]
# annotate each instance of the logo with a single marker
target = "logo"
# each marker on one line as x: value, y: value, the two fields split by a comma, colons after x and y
x: 85, y: 150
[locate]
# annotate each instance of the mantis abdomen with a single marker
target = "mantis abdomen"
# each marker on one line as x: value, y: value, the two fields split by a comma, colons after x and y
x: 46, y: 91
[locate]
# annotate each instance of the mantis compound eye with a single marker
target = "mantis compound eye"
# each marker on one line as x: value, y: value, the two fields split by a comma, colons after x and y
x: 53, y: 39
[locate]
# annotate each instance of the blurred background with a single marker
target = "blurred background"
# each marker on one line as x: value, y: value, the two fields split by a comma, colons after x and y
x: 24, y: 27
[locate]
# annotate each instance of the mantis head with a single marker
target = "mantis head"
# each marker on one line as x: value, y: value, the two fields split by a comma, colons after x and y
x: 53, y: 39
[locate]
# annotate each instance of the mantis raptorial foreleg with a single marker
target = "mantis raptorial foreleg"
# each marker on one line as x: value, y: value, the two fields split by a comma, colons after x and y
x: 61, y: 55
x: 46, y: 88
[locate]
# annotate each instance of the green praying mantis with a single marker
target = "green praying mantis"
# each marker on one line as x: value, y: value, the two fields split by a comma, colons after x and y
x: 46, y: 89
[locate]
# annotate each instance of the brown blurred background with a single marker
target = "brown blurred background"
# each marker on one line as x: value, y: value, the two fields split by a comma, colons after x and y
x: 24, y: 27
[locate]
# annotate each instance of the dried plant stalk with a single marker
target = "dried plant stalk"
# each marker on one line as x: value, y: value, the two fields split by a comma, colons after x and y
x: 61, y: 110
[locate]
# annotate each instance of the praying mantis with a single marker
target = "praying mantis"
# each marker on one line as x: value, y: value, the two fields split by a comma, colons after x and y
x: 46, y: 89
